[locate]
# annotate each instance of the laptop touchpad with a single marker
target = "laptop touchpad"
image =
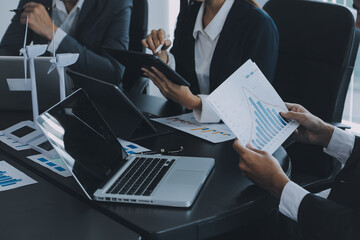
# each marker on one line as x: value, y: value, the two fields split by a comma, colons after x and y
x: 185, y: 177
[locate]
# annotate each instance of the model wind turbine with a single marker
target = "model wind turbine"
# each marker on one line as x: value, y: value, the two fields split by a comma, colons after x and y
x: 60, y: 61
x: 27, y: 131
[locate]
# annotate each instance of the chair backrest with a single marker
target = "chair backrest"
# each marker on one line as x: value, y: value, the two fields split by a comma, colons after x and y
x: 138, y: 31
x: 317, y: 51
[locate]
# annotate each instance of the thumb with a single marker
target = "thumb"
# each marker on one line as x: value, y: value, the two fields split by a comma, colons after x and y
x: 292, y: 115
x: 167, y: 43
x: 255, y: 150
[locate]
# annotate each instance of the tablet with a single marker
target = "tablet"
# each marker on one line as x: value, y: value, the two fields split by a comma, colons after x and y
x: 134, y: 61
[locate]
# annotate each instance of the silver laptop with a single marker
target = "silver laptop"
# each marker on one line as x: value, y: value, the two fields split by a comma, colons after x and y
x: 103, y: 169
x: 47, y: 85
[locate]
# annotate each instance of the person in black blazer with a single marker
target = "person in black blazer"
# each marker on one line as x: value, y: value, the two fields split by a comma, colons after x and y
x: 99, y: 23
x: 315, y: 217
x: 239, y: 31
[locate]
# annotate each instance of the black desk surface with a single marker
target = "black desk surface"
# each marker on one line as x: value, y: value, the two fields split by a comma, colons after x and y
x: 227, y: 200
x: 43, y: 211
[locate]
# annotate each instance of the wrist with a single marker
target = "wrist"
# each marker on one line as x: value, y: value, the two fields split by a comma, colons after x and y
x: 328, y: 132
x: 279, y: 185
x: 193, y: 103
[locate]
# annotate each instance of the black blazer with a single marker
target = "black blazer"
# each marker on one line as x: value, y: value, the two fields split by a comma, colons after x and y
x: 102, y: 23
x: 248, y: 33
x: 337, y: 217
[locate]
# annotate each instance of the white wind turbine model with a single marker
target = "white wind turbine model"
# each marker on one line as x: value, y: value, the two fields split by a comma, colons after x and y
x: 27, y: 131
x: 60, y: 61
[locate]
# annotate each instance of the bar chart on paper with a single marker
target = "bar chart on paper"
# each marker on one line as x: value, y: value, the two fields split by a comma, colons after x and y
x: 214, y: 132
x: 251, y: 109
x: 11, y: 178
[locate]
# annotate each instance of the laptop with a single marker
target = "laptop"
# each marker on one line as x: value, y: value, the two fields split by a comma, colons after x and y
x: 103, y: 169
x: 47, y: 85
x: 123, y: 117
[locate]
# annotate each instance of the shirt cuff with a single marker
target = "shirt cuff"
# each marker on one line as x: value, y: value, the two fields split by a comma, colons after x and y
x: 340, y: 145
x: 171, y: 61
x: 207, y: 114
x: 57, y: 39
x: 290, y: 200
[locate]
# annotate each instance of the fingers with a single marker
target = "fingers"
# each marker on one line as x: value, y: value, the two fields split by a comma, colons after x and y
x: 239, y: 148
x: 293, y: 115
x: 154, y: 39
x: 161, y: 36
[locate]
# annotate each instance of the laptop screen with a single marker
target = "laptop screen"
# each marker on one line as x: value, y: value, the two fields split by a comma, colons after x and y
x: 83, y: 140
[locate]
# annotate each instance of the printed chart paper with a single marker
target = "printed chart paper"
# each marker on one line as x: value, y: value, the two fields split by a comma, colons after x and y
x: 250, y: 107
x: 56, y: 165
x: 214, y: 133
x: 11, y: 178
x: 12, y: 143
x: 132, y: 148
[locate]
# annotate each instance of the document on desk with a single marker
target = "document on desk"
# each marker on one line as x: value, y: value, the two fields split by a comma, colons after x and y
x: 12, y: 143
x: 11, y: 178
x: 250, y: 107
x: 56, y: 165
x: 132, y: 148
x: 215, y: 133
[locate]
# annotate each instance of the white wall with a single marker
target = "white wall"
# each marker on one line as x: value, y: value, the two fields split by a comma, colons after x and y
x: 5, y: 14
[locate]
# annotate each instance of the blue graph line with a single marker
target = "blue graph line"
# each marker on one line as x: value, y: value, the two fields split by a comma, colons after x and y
x: 262, y: 145
x: 7, y: 180
x: 276, y: 120
x: 262, y: 121
x: 263, y: 129
x: 261, y: 139
x: 257, y: 146
x: 262, y: 134
x: 268, y: 116
x: 276, y: 117
x: 280, y: 118
x: 262, y: 116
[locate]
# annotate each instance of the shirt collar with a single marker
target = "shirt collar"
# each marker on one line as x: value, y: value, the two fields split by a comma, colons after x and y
x: 58, y: 4
x: 213, y: 29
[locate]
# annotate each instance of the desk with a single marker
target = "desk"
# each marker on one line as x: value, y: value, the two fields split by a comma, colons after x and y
x: 41, y: 211
x: 227, y: 200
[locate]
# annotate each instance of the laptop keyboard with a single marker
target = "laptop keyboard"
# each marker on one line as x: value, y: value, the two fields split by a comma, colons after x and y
x: 141, y: 177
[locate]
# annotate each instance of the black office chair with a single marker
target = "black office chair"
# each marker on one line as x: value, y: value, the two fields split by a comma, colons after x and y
x: 138, y: 31
x: 318, y: 47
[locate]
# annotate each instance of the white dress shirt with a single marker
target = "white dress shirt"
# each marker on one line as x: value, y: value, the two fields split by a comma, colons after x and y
x: 340, y: 147
x: 205, y: 44
x: 65, y: 21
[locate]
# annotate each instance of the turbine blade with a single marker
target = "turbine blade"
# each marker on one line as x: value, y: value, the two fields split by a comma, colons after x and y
x: 26, y: 30
x: 52, y: 67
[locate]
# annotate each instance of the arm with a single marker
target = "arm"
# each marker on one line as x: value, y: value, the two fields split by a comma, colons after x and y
x: 93, y: 63
x: 262, y: 45
x: 325, y: 219
x: 13, y: 38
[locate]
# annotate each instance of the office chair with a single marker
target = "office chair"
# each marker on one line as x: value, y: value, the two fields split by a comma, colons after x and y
x: 137, y: 32
x: 317, y: 52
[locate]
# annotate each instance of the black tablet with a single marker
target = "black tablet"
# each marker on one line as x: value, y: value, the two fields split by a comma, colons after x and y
x: 134, y: 61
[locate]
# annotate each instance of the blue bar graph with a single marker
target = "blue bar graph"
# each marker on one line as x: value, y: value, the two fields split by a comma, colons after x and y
x: 7, y: 180
x: 268, y: 123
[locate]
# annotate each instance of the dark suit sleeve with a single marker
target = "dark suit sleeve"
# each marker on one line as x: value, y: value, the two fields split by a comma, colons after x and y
x: 94, y: 64
x: 13, y: 38
x: 321, y: 218
x: 262, y: 44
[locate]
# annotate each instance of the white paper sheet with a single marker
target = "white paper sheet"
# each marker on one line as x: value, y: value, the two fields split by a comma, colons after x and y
x: 11, y: 178
x: 214, y: 133
x: 250, y: 107
x: 132, y: 148
x: 56, y: 165
x: 13, y: 144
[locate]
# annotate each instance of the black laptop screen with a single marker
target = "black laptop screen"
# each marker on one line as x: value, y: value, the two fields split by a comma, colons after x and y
x: 83, y: 140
